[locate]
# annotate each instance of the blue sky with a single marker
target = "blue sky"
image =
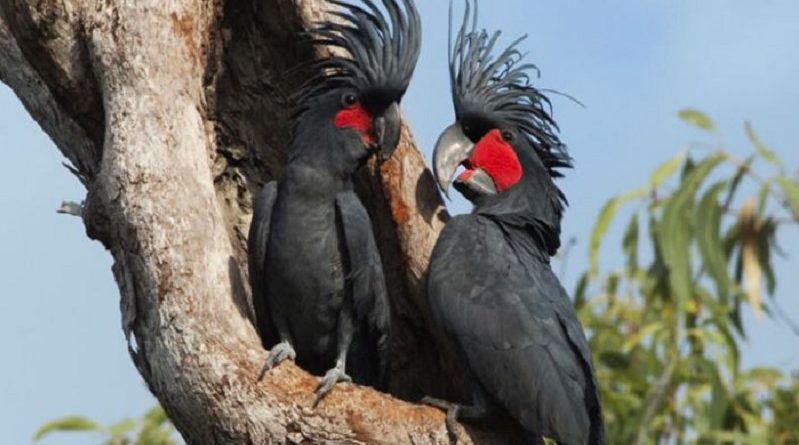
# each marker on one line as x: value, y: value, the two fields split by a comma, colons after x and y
x: 633, y: 64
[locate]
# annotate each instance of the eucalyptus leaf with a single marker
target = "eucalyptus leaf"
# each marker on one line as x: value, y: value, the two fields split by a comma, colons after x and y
x: 631, y: 244
x: 667, y: 169
x: 614, y: 360
x: 70, y: 423
x: 667, y: 328
x: 580, y: 291
x: 677, y: 227
x: 763, y: 197
x: 719, y: 399
x: 606, y: 216
x: 156, y: 416
x: 122, y: 427
x: 791, y: 190
x: 737, y: 179
x: 766, y: 237
x: 697, y: 119
x: 707, y: 220
x: 762, y: 150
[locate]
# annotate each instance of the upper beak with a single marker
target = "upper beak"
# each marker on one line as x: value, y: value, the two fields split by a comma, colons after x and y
x: 388, y: 129
x: 452, y: 149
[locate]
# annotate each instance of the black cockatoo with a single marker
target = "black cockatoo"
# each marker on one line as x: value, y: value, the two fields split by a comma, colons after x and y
x: 315, y: 270
x: 490, y: 281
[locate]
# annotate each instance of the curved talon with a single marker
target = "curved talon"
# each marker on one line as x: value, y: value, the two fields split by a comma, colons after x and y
x: 451, y: 409
x: 280, y: 353
x: 452, y: 423
x: 329, y: 381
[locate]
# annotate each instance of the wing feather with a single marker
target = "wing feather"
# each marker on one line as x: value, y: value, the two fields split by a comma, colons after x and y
x: 515, y: 327
x: 257, y: 245
x: 370, y: 298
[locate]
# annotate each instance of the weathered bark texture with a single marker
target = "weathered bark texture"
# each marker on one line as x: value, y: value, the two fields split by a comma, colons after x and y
x: 173, y: 113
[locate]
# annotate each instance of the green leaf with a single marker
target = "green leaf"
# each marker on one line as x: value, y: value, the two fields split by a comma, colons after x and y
x: 602, y: 225
x: 763, y: 195
x: 71, y: 423
x: 736, y: 314
x: 614, y: 360
x: 766, y: 237
x: 119, y: 440
x: 640, y: 336
x: 736, y: 437
x: 122, y: 427
x: 156, y: 416
x: 767, y: 377
x: 156, y: 429
x: 719, y: 400
x: 689, y: 167
x: 612, y: 284
x: 733, y: 357
x: 658, y: 272
x: 762, y: 150
x: 631, y: 244
x: 737, y: 179
x: 697, y: 119
x: 580, y: 291
x: 791, y: 191
x: 606, y: 216
x: 708, y: 237
x: 676, y: 228
x: 667, y: 169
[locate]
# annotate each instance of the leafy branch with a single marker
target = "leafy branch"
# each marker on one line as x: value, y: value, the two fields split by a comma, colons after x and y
x: 666, y: 328
x: 153, y: 428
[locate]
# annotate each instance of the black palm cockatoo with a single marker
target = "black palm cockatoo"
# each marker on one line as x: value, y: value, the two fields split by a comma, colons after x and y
x: 490, y: 281
x: 315, y: 270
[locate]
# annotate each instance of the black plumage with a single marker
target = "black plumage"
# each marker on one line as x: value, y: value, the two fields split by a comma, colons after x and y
x: 315, y: 270
x: 497, y: 87
x: 490, y: 281
x: 380, y: 55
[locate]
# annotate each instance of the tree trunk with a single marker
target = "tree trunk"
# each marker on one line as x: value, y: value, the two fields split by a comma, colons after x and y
x: 173, y: 114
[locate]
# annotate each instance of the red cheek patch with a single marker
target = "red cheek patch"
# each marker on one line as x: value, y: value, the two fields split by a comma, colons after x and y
x: 358, y: 119
x: 498, y: 160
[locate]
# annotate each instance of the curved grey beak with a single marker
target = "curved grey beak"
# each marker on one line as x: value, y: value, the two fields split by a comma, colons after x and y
x: 478, y: 184
x: 388, y: 129
x: 452, y: 148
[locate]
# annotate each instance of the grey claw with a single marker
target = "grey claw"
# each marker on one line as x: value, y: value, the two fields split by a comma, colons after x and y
x: 451, y: 409
x: 280, y: 353
x: 328, y: 382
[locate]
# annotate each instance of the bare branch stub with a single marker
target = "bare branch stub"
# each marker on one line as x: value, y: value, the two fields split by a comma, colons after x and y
x: 71, y: 208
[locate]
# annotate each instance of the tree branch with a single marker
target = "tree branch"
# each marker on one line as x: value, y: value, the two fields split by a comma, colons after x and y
x: 192, y: 102
x: 36, y: 96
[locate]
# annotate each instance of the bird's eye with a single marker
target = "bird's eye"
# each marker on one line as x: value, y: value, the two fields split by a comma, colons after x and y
x: 349, y: 100
x: 507, y: 136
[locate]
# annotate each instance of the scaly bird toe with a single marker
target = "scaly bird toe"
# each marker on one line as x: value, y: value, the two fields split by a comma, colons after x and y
x: 328, y: 382
x: 451, y: 409
x: 280, y: 353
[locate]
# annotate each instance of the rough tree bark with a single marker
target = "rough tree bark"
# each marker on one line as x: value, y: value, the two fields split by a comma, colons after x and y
x: 172, y: 114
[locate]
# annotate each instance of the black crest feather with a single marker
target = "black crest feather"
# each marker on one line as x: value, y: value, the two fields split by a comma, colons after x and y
x: 499, y: 86
x: 380, y: 52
